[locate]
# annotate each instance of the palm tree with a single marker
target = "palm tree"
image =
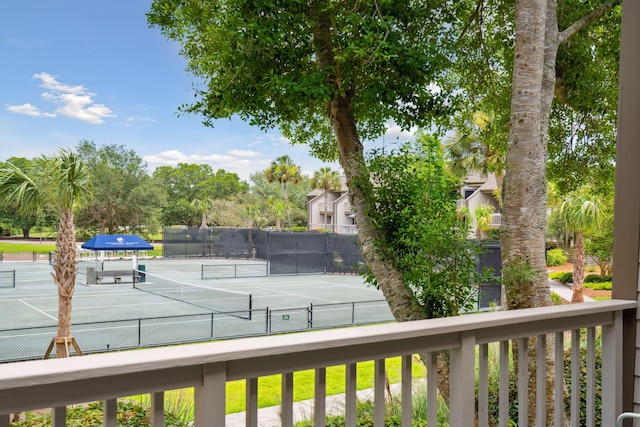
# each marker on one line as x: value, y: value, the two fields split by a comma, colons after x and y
x: 484, y: 219
x: 580, y: 211
x: 284, y: 171
x: 468, y: 150
x: 327, y: 180
x: 278, y: 208
x: 61, y: 182
x: 203, y: 206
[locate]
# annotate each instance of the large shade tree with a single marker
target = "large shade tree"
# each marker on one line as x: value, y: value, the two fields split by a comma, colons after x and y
x: 61, y: 182
x: 124, y: 193
x: 329, y: 74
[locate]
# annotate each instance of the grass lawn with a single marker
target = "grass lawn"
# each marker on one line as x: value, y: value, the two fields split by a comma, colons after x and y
x: 27, y: 247
x: 270, y: 387
x: 9, y: 247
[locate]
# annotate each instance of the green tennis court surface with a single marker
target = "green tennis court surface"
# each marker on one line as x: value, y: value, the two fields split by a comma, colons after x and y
x: 175, y: 304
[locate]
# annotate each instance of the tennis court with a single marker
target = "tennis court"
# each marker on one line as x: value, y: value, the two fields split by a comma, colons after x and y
x: 172, y: 303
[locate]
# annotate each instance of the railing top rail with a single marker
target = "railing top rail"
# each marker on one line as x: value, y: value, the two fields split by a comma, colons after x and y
x: 30, y: 384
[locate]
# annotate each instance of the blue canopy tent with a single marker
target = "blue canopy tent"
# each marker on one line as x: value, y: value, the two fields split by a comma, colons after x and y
x: 118, y: 242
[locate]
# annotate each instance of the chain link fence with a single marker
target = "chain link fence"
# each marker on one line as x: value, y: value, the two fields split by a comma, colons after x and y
x: 98, y: 337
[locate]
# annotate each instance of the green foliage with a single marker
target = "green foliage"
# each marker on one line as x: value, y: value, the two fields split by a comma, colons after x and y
x: 292, y: 58
x: 556, y: 299
x: 124, y: 194
x: 263, y: 191
x: 415, y: 215
x: 599, y: 240
x: 517, y: 276
x: 599, y: 286
x: 563, y: 277
x: 583, y: 377
x: 597, y: 278
x: 556, y: 257
x: 129, y: 415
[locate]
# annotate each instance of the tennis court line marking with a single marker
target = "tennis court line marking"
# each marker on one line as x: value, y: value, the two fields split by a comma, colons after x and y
x: 295, y: 295
x: 38, y: 310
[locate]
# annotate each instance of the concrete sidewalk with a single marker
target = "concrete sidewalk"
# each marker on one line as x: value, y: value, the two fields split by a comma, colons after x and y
x: 303, y: 410
x: 564, y: 291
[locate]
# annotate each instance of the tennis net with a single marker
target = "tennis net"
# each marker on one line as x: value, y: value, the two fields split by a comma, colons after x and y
x: 235, y: 303
x: 8, y: 279
x: 237, y: 270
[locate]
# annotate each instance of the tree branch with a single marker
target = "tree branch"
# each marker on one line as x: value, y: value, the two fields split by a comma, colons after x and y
x: 587, y: 20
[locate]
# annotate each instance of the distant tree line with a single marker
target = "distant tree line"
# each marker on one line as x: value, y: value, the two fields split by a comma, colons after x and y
x: 128, y: 197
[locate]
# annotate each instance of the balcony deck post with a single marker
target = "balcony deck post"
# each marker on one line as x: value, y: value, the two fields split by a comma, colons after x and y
x: 110, y: 413
x: 4, y: 420
x: 462, y: 382
x: 59, y: 416
x: 157, y: 409
x: 626, y: 234
x: 210, y: 397
x: 251, y: 410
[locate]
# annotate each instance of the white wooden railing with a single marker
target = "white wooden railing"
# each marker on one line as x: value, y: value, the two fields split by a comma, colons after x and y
x: 207, y: 367
x: 326, y: 208
x: 496, y: 220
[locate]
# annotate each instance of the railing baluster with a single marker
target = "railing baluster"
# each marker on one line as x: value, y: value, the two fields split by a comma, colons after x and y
x: 157, y: 409
x: 251, y: 410
x: 432, y: 388
x: 612, y: 369
x: 407, y: 407
x: 4, y: 418
x: 591, y: 377
x: 541, y: 381
x: 523, y: 383
x: 462, y: 382
x: 287, y: 399
x: 575, y: 377
x: 59, y: 416
x: 378, y: 393
x: 110, y: 413
x: 503, y: 397
x: 320, y: 401
x: 483, y: 385
x: 350, y: 397
x: 558, y: 381
x: 210, y: 397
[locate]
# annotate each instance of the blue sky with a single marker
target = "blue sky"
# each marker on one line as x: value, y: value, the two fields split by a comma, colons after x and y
x: 93, y: 70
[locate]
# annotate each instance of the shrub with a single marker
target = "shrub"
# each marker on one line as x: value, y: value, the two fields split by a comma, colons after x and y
x: 563, y: 277
x: 556, y: 275
x: 601, y: 286
x: 556, y: 299
x: 597, y: 278
x: 556, y: 257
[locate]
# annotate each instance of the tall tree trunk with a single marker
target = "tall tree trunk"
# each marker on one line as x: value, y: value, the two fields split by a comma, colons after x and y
x: 286, y: 202
x: 401, y: 300
x: 64, y: 275
x: 524, y: 195
x: 578, y: 269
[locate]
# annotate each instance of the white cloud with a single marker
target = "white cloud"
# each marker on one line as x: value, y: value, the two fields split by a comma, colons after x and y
x: 131, y: 120
x: 74, y: 102
x: 395, y: 131
x: 244, y: 153
x: 27, y: 110
x: 242, y: 162
x: 50, y: 82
